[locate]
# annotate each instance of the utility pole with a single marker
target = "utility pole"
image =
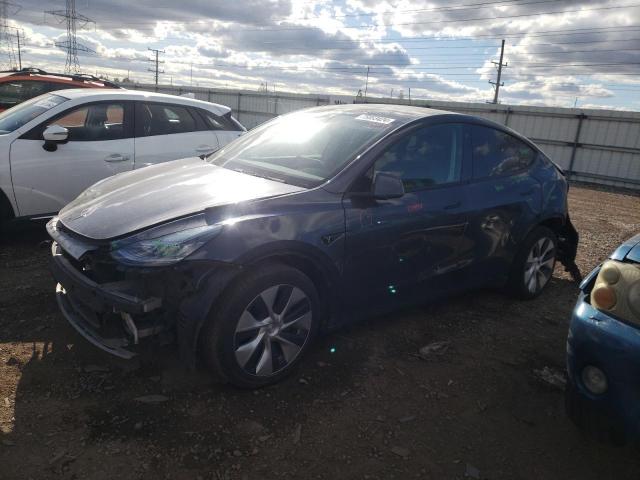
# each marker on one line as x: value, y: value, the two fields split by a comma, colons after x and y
x: 19, y: 51
x: 366, y: 85
x: 156, y: 70
x: 71, y: 45
x: 497, y: 84
x: 191, y: 76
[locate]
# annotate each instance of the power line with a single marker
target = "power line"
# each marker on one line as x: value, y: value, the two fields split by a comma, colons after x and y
x: 6, y: 38
x: 71, y: 44
x: 457, y: 20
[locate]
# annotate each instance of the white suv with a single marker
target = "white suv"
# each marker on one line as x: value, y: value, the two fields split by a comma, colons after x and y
x: 54, y: 146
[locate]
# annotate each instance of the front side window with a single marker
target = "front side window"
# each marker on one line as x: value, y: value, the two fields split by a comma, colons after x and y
x: 163, y: 119
x: 426, y: 157
x: 93, y: 123
x: 16, y: 117
x: 497, y: 153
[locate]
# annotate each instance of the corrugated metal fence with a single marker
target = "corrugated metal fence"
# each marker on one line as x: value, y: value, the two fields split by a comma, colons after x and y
x: 598, y: 146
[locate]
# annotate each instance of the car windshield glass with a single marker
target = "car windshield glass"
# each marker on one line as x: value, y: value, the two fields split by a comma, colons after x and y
x: 23, y: 113
x: 304, y: 148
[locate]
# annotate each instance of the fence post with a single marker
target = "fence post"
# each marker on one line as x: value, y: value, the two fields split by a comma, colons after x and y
x: 576, y: 143
x: 208, y: 95
x: 507, y: 114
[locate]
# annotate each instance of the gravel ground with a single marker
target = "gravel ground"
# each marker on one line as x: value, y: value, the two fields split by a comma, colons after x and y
x: 475, y: 408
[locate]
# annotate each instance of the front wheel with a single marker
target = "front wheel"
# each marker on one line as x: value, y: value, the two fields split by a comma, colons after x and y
x: 262, y: 327
x: 534, y: 264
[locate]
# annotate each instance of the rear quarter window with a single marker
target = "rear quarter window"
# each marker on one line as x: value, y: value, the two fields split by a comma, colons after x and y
x: 497, y: 153
x: 220, y: 122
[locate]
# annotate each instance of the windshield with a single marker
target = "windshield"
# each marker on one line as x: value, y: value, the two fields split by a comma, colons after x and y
x: 24, y: 112
x: 304, y: 148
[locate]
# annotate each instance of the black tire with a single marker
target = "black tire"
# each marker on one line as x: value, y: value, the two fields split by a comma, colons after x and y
x: 6, y: 212
x: 221, y: 343
x: 517, y: 284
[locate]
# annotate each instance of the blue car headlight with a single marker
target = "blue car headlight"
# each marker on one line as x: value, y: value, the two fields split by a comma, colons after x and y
x: 166, y: 244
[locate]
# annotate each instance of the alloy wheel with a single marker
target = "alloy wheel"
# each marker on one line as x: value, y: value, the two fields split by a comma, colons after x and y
x: 272, y: 330
x: 539, y: 265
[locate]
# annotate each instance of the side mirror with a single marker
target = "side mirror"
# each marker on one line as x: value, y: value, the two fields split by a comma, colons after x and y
x: 53, y: 135
x: 387, y: 186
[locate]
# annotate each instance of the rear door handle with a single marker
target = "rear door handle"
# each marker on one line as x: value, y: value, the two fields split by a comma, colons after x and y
x: 452, y: 205
x: 528, y: 192
x: 205, y: 149
x: 116, y: 157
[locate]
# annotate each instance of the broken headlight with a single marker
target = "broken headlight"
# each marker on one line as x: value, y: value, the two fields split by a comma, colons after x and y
x: 617, y: 290
x: 165, y: 244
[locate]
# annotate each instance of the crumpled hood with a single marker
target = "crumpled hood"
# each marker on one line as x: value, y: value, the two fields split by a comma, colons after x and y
x: 135, y: 200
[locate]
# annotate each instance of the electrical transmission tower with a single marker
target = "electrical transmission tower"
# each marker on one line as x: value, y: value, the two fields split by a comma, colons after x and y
x: 6, y: 37
x: 497, y: 84
x: 158, y: 62
x: 71, y: 45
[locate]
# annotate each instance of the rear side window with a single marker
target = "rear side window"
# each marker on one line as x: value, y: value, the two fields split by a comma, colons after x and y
x: 12, y: 93
x: 426, y: 157
x: 497, y: 153
x: 163, y: 119
x: 219, y: 122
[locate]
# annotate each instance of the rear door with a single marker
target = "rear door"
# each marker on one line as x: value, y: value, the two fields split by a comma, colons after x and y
x: 167, y: 132
x: 506, y: 200
x: 100, y: 144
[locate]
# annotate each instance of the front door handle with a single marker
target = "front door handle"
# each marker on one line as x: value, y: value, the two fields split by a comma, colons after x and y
x: 453, y: 205
x: 205, y: 149
x: 531, y: 191
x: 116, y: 157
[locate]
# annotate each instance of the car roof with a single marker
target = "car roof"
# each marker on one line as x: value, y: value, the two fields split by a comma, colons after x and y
x: 401, y: 113
x: 141, y: 95
x: 404, y: 114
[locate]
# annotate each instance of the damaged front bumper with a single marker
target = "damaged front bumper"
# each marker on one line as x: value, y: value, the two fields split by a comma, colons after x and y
x: 113, y: 316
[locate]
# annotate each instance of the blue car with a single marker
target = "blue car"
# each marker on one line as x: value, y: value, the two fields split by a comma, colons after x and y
x: 310, y: 221
x: 603, y: 348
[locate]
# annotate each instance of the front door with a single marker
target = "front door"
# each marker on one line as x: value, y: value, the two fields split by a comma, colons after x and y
x: 397, y: 249
x: 100, y: 144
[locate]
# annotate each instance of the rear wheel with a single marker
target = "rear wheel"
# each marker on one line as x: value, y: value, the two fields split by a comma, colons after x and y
x: 263, y: 327
x: 534, y: 264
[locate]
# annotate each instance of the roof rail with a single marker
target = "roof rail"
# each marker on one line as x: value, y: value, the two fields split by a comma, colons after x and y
x: 79, y: 77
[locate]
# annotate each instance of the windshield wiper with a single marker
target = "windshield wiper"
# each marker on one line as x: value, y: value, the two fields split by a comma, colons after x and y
x: 254, y: 174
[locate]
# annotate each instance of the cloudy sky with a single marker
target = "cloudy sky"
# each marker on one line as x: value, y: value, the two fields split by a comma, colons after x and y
x: 559, y: 52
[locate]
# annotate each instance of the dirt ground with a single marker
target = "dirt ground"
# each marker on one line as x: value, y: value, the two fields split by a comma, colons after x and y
x: 363, y: 404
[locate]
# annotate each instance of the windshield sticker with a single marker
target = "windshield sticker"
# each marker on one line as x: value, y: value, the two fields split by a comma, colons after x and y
x: 375, y: 119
